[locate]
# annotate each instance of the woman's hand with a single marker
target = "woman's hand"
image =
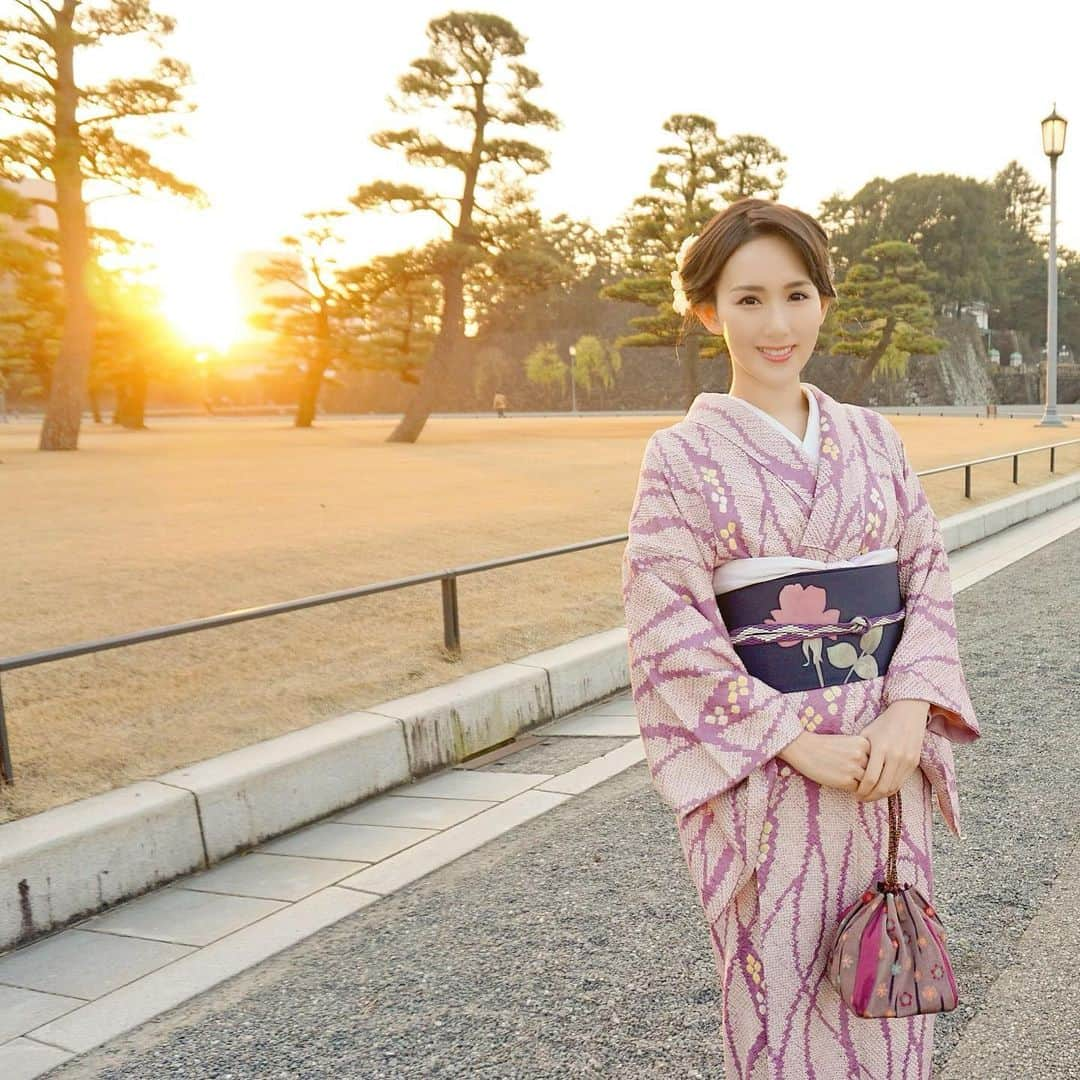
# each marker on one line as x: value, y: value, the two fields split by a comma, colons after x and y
x: 836, y: 761
x: 896, y: 738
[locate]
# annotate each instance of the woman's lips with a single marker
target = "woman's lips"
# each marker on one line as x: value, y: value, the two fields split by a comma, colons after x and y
x: 777, y: 359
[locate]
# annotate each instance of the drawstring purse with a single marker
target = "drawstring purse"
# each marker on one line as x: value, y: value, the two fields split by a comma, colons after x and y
x: 889, y: 958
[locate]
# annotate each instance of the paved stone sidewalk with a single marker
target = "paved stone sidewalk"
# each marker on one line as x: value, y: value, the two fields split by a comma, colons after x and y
x: 116, y: 970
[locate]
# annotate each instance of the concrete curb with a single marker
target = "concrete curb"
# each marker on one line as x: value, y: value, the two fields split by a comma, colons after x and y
x: 445, y: 724
x: 89, y: 854
x: 73, y: 861
x: 969, y: 526
x: 249, y: 795
x: 76, y: 860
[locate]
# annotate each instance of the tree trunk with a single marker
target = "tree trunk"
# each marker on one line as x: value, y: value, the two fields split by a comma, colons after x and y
x: 316, y: 369
x: 856, y: 392
x: 131, y: 402
x: 440, y: 369
x: 449, y: 349
x: 691, y: 379
x: 864, y: 371
x: 63, y: 414
x: 309, y: 394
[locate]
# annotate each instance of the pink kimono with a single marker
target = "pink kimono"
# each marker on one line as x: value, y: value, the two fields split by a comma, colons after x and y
x: 776, y: 857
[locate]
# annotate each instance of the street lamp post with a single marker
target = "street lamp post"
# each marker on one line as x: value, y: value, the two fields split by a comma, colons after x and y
x: 1053, y: 137
x: 573, y: 380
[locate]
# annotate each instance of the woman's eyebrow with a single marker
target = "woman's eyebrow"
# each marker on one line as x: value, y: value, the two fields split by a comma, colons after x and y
x: 758, y: 288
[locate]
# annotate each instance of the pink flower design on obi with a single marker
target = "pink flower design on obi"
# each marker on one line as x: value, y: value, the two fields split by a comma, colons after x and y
x: 803, y: 604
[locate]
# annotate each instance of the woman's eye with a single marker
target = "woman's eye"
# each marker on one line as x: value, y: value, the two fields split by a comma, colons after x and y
x: 754, y: 298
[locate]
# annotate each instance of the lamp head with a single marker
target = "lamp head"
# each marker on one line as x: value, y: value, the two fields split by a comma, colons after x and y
x: 1053, y: 134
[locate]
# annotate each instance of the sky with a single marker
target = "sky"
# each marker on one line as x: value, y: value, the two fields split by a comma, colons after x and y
x: 289, y: 94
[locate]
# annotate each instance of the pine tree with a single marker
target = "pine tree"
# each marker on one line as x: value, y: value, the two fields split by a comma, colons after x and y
x: 70, y: 139
x: 471, y: 77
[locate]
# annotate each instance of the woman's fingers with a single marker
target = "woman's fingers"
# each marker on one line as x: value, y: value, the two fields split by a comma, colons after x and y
x: 890, y: 781
x: 872, y: 772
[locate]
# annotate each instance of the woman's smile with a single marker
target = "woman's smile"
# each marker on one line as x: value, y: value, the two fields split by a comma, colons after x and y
x: 777, y: 355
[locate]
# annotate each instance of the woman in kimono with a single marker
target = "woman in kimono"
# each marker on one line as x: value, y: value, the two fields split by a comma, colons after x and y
x: 774, y: 503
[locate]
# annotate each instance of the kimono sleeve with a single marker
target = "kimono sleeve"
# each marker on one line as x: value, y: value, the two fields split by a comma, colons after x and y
x: 926, y: 662
x: 706, y: 724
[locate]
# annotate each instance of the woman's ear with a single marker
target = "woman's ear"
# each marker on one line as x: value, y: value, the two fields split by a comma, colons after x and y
x: 825, y: 302
x: 707, y: 314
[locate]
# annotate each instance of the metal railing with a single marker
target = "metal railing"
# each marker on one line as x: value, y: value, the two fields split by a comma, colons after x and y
x: 1014, y: 454
x: 447, y: 578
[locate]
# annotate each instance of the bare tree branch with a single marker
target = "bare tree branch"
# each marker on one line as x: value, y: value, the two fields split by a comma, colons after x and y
x: 28, y: 7
x: 29, y: 70
x: 109, y: 117
x: 27, y: 118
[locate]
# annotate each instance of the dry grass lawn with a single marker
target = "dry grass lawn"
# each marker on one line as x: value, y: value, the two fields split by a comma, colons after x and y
x: 197, y: 517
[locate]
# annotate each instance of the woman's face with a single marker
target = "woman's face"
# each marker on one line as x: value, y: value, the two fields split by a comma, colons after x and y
x: 782, y: 309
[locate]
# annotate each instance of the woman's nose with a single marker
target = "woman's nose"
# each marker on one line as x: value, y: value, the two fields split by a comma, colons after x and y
x: 778, y: 323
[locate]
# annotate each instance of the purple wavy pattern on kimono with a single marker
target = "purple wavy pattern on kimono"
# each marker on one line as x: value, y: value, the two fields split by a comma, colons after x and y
x: 926, y: 663
x: 707, y: 726
x: 775, y: 857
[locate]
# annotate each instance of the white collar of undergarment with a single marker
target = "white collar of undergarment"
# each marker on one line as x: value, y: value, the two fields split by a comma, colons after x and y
x: 809, y: 442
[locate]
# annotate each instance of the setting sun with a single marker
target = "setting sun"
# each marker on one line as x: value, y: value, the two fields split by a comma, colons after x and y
x: 202, y: 302
x: 193, y: 262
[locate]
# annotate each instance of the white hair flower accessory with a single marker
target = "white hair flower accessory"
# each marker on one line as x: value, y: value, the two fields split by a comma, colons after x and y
x: 679, y: 300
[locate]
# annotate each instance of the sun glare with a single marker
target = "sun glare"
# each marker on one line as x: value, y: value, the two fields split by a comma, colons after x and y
x: 196, y: 279
x: 201, y: 301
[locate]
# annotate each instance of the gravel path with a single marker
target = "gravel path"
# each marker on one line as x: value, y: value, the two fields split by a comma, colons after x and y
x: 574, y: 946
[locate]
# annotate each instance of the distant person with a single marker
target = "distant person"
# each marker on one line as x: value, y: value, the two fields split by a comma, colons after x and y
x: 499, y: 404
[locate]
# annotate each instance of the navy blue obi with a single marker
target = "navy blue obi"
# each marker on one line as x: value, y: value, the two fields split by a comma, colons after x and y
x: 815, y: 628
